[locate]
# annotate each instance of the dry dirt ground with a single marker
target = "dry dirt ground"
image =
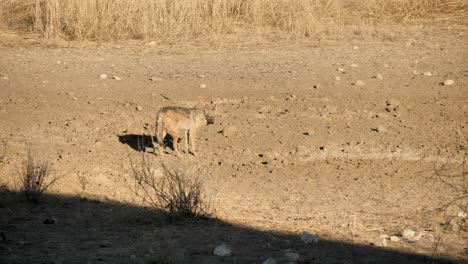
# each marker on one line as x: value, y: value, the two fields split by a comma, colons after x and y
x: 298, y: 145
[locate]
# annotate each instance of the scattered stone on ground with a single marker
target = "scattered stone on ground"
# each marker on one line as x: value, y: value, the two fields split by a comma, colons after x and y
x: 103, y: 76
x: 222, y: 250
x: 309, y: 238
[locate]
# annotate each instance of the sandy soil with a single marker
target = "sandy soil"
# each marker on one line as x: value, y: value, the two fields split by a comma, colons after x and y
x: 299, y: 145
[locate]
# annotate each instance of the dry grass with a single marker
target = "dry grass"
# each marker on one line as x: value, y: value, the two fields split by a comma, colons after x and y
x: 165, y: 19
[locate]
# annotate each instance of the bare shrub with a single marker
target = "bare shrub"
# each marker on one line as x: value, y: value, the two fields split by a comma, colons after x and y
x: 175, y: 191
x: 35, y: 177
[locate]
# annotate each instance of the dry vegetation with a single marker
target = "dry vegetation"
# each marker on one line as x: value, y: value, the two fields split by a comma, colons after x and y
x: 164, y: 19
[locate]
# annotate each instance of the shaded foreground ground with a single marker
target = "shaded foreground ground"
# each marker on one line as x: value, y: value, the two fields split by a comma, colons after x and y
x: 299, y: 145
x: 91, y: 231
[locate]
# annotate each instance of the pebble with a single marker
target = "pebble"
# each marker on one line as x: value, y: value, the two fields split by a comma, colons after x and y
x: 152, y: 43
x: 408, y: 233
x: 117, y: 78
x: 139, y: 108
x: 354, y: 65
x: 378, y: 76
x: 309, y: 238
x: 428, y: 73
x: 355, y: 47
x: 201, y: 76
x: 292, y: 256
x: 462, y: 214
x: 202, y: 85
x: 394, y: 238
x: 340, y: 69
x: 359, y: 83
x: 337, y: 78
x: 448, y: 82
x: 269, y: 261
x: 103, y: 76
x: 222, y: 250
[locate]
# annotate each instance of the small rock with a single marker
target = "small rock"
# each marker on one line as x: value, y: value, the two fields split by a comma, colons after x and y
x: 222, y: 250
x: 448, y: 82
x: 269, y: 261
x: 394, y: 238
x: 117, y: 78
x: 5, y: 78
x: 354, y: 65
x: 415, y: 72
x: 340, y: 70
x: 428, y: 73
x: 408, y: 233
x: 309, y: 238
x: 378, y: 76
x: 202, y: 85
x: 462, y: 214
x: 380, y: 129
x: 152, y: 43
x: 355, y: 47
x: 201, y: 76
x: 139, y: 108
x: 127, y: 104
x: 75, y: 98
x: 103, y: 76
x: 156, y: 79
x: 337, y: 78
x: 359, y: 83
x: 70, y: 93
x: 292, y: 256
x: 383, y: 236
x: 455, y: 227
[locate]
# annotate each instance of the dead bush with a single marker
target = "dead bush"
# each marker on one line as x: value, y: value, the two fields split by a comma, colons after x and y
x: 35, y: 177
x: 176, y: 192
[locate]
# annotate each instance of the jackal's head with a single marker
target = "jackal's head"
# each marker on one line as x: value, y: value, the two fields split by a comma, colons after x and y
x: 211, y: 112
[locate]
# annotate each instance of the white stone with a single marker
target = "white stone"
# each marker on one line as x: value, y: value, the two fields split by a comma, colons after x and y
x: 103, y: 76
x: 448, y: 82
x: 269, y: 261
x: 354, y: 65
x: 222, y: 250
x: 428, y: 73
x: 292, y: 256
x: 408, y: 233
x: 378, y: 76
x: 117, y: 78
x: 462, y: 214
x: 202, y: 85
x: 152, y: 43
x: 359, y: 83
x: 309, y: 238
x: 394, y: 238
x: 139, y: 108
x: 340, y: 69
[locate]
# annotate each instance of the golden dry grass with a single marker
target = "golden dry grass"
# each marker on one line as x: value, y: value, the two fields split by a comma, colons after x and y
x: 164, y: 19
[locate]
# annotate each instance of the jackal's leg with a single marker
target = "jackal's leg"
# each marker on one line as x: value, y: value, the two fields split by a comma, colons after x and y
x: 175, y: 137
x: 186, y: 141
x: 193, y: 135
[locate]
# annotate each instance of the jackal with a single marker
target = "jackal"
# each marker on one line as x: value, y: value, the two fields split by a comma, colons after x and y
x: 176, y: 120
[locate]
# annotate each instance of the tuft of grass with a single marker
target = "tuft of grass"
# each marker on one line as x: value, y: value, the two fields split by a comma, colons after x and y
x: 167, y: 19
